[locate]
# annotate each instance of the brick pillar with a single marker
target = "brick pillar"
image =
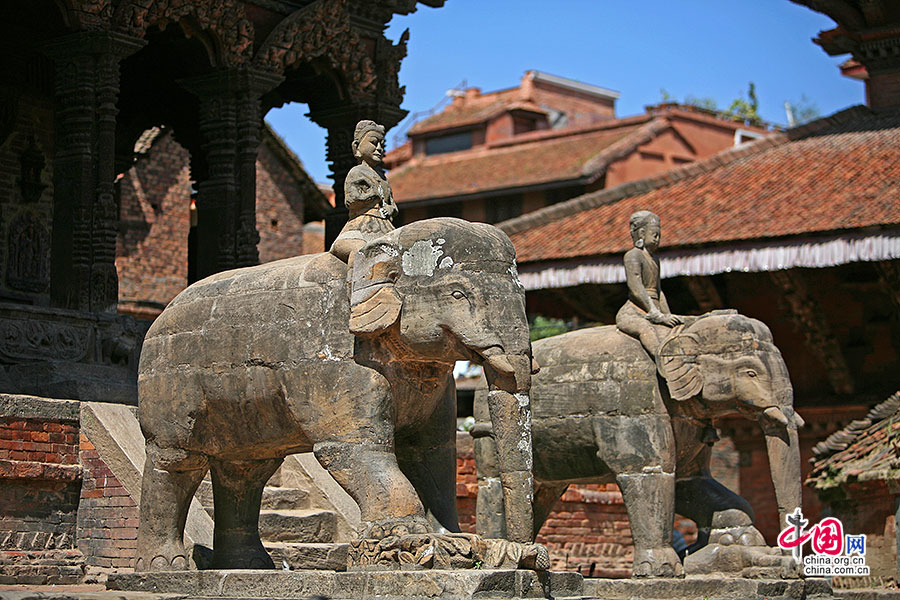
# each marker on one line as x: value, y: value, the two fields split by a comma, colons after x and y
x: 83, y: 270
x: 229, y: 122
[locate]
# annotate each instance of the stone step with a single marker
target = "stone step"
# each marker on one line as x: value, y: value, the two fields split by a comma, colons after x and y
x: 274, y: 498
x: 307, y: 525
x: 309, y: 556
x: 357, y: 585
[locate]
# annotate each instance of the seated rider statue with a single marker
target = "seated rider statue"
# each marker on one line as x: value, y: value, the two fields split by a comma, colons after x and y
x: 645, y: 315
x: 367, y: 194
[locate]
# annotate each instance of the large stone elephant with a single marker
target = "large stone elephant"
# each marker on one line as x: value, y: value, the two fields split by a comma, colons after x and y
x: 603, y: 412
x: 250, y: 365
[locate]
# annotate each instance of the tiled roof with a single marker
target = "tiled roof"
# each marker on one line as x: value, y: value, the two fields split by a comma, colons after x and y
x: 865, y: 450
x: 546, y: 157
x: 838, y: 173
x: 477, y: 109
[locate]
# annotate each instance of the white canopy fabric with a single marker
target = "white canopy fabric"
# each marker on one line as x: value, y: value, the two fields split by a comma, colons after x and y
x: 748, y: 258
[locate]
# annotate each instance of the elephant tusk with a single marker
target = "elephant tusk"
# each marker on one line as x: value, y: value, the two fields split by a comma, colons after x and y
x: 774, y: 413
x: 798, y: 420
x: 535, y: 367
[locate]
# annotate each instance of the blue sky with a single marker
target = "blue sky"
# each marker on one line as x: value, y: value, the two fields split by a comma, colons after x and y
x: 704, y: 48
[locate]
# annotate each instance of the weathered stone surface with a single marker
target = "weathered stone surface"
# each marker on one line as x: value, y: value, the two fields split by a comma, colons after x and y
x: 721, y: 588
x: 359, y: 585
x: 297, y: 525
x: 309, y: 556
x: 602, y: 414
x: 41, y: 409
x: 248, y: 366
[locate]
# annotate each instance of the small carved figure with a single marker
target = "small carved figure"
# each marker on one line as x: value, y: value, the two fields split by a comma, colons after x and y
x: 367, y: 194
x: 645, y: 315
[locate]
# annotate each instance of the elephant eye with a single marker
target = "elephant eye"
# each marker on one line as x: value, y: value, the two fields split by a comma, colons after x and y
x: 458, y: 295
x: 751, y: 373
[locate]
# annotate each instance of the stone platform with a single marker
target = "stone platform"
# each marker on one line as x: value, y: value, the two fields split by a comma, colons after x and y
x: 702, y: 587
x: 431, y: 584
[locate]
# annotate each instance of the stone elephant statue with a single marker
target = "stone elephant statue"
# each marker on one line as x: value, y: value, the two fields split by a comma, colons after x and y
x: 603, y: 412
x: 250, y: 365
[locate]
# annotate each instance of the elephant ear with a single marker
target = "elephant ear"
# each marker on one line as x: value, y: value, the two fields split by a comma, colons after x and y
x: 374, y: 303
x: 677, y: 363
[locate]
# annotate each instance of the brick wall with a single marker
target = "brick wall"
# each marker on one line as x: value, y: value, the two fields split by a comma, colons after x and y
x: 108, y: 517
x: 279, y: 208
x: 40, y: 485
x: 151, y: 251
x: 155, y: 199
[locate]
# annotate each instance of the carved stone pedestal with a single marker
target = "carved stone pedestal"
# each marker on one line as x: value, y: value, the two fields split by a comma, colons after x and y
x: 355, y: 585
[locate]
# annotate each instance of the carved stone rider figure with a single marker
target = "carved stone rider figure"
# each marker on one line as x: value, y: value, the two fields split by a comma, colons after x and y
x: 367, y: 194
x: 645, y: 315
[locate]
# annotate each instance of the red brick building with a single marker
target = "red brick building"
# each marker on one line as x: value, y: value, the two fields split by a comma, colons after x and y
x: 156, y: 248
x: 495, y: 156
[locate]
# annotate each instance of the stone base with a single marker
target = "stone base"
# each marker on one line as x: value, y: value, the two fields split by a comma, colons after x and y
x: 720, y: 588
x: 356, y: 585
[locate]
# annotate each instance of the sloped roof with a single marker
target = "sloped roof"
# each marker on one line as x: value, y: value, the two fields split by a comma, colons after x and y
x: 867, y: 449
x: 838, y: 173
x: 536, y: 158
x: 475, y: 111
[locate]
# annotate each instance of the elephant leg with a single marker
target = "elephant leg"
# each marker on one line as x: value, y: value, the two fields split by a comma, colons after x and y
x: 355, y: 444
x: 698, y: 498
x: 427, y: 457
x: 490, y: 513
x: 640, y: 450
x: 237, y: 493
x: 545, y: 496
x: 166, y: 491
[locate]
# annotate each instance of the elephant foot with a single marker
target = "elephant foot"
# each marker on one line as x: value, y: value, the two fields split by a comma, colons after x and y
x: 445, y: 551
x: 242, y: 557
x: 656, y: 562
x: 168, y: 557
x: 738, y: 549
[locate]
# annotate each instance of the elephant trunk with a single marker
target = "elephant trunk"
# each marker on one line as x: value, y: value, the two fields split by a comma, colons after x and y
x: 780, y: 428
x: 509, y: 381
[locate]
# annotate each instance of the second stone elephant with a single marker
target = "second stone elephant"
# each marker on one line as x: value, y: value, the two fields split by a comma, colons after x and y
x: 604, y: 412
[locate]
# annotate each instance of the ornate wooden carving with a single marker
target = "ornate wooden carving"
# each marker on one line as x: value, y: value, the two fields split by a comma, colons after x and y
x: 85, y: 214
x: 41, y: 340
x: 808, y: 318
x: 28, y: 256
x: 225, y: 19
x: 321, y: 30
x: 31, y: 169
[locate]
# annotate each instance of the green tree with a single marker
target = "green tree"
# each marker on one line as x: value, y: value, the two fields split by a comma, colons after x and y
x: 803, y: 111
x: 543, y: 327
x: 746, y: 110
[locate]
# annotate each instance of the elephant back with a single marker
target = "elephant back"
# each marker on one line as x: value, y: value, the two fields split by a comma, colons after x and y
x: 587, y: 372
x: 593, y: 371
x: 283, y: 311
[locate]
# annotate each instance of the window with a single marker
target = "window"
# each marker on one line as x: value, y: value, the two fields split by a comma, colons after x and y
x: 453, y: 142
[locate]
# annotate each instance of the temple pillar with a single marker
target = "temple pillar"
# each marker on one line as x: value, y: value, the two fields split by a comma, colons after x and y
x: 229, y: 122
x: 85, y: 215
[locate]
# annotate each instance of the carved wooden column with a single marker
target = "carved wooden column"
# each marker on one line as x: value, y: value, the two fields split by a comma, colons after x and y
x: 229, y: 122
x: 83, y: 269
